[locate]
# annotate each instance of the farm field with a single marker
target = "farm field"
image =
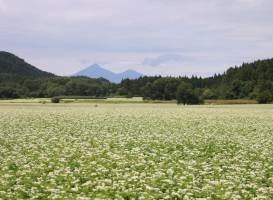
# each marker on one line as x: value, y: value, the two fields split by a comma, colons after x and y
x: 135, y: 151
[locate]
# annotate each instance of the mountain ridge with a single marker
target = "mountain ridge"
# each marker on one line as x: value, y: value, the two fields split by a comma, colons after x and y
x: 96, y: 71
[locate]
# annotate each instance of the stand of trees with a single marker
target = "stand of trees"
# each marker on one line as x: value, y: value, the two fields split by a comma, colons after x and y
x: 249, y: 81
x: 185, y: 94
x: 55, y: 86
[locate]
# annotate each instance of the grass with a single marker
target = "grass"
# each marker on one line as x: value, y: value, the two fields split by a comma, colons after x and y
x: 29, y: 100
x: 135, y: 151
x: 110, y: 100
x: 231, y: 102
x: 122, y: 100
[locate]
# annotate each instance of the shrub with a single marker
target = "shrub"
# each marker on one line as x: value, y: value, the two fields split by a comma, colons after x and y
x: 55, y: 100
x: 264, y: 97
x: 186, y: 95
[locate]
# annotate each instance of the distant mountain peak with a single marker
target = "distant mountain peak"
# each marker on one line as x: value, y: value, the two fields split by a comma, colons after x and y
x: 96, y: 71
x: 95, y: 66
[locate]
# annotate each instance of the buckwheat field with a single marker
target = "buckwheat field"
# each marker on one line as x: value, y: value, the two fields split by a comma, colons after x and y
x: 136, y: 151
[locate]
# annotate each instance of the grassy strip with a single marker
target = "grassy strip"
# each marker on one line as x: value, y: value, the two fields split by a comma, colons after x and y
x: 79, y: 97
x: 230, y: 102
x: 70, y: 99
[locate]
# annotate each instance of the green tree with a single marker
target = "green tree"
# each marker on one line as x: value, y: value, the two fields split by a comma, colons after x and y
x: 186, y: 95
x: 8, y: 92
x: 209, y: 94
x: 56, y: 91
x: 264, y: 97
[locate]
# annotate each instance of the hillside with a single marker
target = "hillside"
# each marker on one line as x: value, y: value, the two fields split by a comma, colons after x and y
x: 13, y: 65
x: 18, y: 79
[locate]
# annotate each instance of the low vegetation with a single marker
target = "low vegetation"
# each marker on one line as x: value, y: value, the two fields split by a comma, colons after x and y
x: 137, y: 151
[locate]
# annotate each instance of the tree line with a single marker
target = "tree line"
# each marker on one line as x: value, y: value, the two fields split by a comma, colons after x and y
x: 249, y: 81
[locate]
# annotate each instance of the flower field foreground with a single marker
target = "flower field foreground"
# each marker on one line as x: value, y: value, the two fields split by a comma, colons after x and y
x: 82, y: 151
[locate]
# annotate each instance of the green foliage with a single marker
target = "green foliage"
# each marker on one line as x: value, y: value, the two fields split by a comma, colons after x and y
x: 55, y: 100
x: 8, y: 93
x: 265, y: 92
x: 264, y: 97
x: 186, y: 95
x: 209, y: 94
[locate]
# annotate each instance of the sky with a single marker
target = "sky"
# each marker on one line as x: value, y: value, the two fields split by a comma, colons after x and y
x: 166, y: 37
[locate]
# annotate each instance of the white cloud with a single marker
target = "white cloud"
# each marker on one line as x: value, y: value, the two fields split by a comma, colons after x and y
x: 164, y: 59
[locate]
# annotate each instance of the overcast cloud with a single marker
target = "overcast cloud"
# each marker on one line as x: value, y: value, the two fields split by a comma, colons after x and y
x: 168, y: 37
x: 164, y: 59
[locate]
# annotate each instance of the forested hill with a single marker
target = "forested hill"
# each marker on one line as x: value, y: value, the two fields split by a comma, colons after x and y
x: 13, y: 65
x: 249, y: 81
x: 18, y: 79
x: 261, y: 70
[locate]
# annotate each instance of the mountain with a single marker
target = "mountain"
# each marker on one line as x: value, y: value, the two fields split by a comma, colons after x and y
x: 130, y: 74
x: 13, y: 65
x: 96, y: 71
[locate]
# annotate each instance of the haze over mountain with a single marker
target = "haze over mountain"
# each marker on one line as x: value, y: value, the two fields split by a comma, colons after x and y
x: 96, y: 71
